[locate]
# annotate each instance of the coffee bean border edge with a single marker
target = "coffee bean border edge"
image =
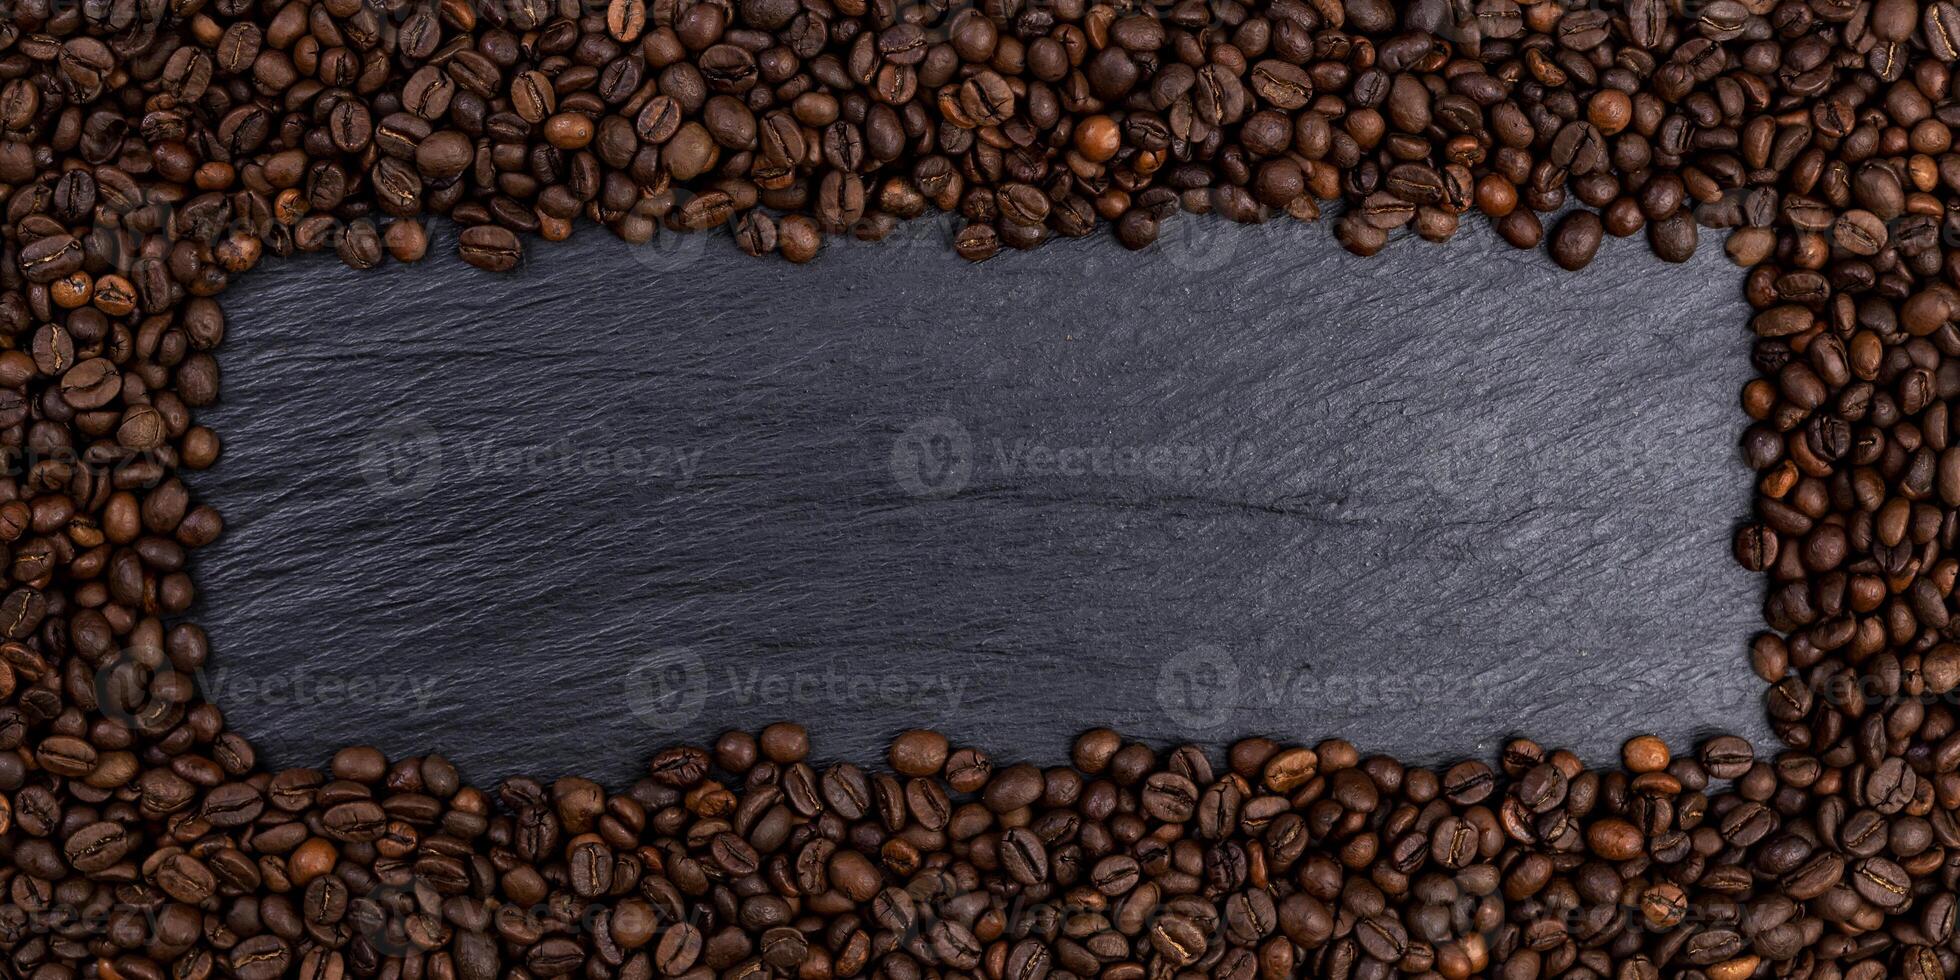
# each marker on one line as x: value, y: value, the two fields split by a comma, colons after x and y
x: 155, y: 149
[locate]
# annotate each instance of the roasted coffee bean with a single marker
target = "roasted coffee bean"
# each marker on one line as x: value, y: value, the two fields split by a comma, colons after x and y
x: 98, y: 846
x: 1673, y: 237
x: 52, y: 258
x: 490, y: 247
x: 1023, y: 856
x: 1575, y: 240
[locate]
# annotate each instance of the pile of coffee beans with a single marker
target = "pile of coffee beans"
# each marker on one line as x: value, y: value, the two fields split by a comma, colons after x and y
x: 152, y: 150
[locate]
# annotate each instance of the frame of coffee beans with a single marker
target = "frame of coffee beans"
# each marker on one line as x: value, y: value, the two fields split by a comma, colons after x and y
x: 153, y: 150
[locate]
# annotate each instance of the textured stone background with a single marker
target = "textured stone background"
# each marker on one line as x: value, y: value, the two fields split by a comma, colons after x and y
x: 1243, y: 483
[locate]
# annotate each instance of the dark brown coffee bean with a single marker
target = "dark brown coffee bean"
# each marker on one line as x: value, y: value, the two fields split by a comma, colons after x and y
x: 1023, y: 856
x: 1575, y: 240
x: 97, y: 846
x: 260, y: 958
x: 1673, y: 237
x: 490, y: 247
x: 48, y: 259
x: 1521, y: 228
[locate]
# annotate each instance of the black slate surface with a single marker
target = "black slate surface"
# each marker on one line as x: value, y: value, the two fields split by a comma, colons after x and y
x: 1242, y: 483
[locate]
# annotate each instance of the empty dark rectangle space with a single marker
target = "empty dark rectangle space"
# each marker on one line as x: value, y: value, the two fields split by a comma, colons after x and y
x: 1242, y: 483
